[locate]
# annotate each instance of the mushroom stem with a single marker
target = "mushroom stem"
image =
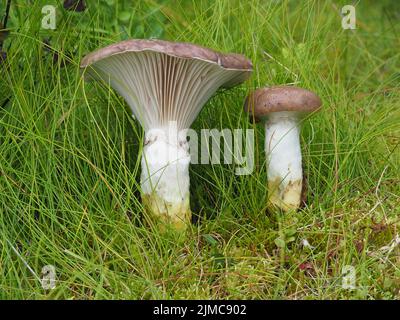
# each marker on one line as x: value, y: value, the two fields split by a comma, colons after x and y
x: 282, y: 146
x: 165, y: 176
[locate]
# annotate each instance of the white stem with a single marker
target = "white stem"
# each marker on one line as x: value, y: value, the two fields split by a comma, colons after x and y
x: 282, y: 146
x: 165, y: 175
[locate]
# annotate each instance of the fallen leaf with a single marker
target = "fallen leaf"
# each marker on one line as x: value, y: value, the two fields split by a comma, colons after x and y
x: 308, y: 268
x: 75, y: 5
x: 359, y: 244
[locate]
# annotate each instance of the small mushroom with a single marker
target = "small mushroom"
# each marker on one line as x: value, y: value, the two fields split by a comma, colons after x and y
x: 166, y: 84
x: 282, y: 108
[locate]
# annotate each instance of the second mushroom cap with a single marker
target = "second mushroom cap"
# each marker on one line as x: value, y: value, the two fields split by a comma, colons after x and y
x: 263, y: 101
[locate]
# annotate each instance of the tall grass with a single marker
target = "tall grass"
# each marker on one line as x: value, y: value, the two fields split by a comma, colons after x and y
x: 70, y: 157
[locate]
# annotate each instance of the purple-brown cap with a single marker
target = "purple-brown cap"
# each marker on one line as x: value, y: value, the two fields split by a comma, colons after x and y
x: 231, y: 61
x: 263, y: 101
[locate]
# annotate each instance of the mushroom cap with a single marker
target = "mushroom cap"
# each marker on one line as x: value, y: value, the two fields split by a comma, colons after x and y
x: 165, y: 81
x: 263, y: 101
x: 230, y: 61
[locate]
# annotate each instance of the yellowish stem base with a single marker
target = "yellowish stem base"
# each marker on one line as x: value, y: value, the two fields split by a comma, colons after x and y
x: 167, y: 215
x: 284, y: 196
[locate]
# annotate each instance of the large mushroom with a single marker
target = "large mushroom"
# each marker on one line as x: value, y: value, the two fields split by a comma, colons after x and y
x: 166, y: 84
x: 282, y: 108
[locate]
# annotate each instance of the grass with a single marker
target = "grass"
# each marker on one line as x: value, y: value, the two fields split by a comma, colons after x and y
x: 70, y: 164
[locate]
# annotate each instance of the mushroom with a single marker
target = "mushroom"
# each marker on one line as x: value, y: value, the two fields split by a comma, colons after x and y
x: 166, y: 84
x: 282, y: 108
